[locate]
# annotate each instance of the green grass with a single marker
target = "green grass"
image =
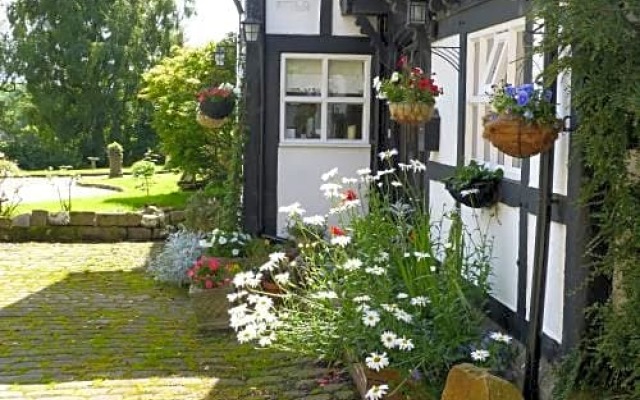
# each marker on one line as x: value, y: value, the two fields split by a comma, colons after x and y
x: 163, y: 193
x: 60, y: 172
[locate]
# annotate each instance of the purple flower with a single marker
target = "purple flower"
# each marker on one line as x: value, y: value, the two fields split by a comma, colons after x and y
x: 510, y: 90
x: 522, y: 98
x: 527, y: 87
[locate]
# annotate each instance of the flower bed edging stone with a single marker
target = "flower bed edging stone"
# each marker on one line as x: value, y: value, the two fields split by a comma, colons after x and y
x: 86, y: 226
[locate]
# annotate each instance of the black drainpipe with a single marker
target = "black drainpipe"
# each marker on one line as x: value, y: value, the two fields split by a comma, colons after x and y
x: 531, y: 388
x: 262, y: 130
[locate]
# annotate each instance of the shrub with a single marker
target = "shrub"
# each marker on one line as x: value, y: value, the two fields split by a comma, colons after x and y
x: 143, y: 171
x: 180, y: 252
x: 205, y: 211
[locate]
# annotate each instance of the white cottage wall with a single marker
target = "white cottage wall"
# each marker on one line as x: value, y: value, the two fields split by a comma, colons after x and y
x: 554, y: 288
x: 447, y: 78
x: 293, y: 17
x: 300, y: 169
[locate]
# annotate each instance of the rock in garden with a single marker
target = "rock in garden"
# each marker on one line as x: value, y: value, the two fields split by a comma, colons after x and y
x: 468, y: 382
x: 21, y: 220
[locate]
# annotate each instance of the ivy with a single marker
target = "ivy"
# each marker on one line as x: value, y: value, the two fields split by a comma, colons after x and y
x: 600, y: 45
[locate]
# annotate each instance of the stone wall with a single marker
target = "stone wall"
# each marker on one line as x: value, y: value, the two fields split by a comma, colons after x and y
x: 84, y: 226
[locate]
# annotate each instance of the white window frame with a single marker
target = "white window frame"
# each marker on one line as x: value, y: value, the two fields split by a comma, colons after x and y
x: 500, y: 62
x: 324, y: 99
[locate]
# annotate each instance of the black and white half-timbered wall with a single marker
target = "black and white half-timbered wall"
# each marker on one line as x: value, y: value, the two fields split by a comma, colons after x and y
x: 310, y: 108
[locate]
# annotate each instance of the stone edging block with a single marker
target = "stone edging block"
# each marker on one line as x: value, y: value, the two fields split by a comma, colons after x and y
x: 118, y: 219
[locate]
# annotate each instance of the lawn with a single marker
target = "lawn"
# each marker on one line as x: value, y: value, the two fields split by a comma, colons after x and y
x: 163, y: 193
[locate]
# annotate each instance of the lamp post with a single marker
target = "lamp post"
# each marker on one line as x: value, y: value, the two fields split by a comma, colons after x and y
x: 251, y: 29
x: 219, y: 56
x: 417, y: 12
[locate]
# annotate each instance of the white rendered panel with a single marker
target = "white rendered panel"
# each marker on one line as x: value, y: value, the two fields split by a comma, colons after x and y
x: 345, y: 25
x: 447, y: 104
x: 554, y: 292
x: 500, y: 224
x: 293, y: 17
x: 300, y: 169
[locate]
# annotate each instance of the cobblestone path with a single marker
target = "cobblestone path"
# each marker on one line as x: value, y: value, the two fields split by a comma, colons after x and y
x: 83, y: 321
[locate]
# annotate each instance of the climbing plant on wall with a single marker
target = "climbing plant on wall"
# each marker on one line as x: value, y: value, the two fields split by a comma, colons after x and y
x: 599, y: 42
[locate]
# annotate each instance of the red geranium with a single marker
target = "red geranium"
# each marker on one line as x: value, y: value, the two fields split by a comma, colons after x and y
x: 337, y: 231
x: 209, y: 273
x: 350, y: 195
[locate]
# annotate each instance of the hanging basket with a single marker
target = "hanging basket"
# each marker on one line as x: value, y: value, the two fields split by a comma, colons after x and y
x: 476, y: 194
x: 217, y: 109
x: 210, y: 123
x: 516, y: 138
x: 411, y: 113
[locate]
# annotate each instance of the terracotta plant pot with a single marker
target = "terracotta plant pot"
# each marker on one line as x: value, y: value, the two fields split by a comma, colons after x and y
x: 411, y: 113
x: 364, y: 378
x: 515, y: 137
x: 210, y: 307
x: 476, y: 194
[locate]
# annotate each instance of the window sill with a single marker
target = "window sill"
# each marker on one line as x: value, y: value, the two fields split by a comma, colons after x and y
x: 310, y: 143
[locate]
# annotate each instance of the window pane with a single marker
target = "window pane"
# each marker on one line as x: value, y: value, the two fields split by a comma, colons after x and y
x: 303, y: 77
x: 302, y: 121
x: 346, y: 78
x: 345, y: 121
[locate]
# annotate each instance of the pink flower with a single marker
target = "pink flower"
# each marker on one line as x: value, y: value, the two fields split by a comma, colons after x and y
x: 208, y: 284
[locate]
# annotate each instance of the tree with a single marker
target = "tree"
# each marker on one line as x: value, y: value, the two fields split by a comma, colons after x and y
x: 82, y: 62
x: 171, y: 86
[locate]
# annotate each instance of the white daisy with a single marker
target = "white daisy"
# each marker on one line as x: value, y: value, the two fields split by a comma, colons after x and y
x: 331, y: 190
x: 384, y: 155
x: 317, y: 220
x: 402, y: 296
x: 361, y: 299
x: 341, y: 240
x: 222, y: 240
x: 402, y: 315
x: 371, y: 318
x: 404, y: 344
x: 396, y: 183
x: 326, y: 294
x: 268, y: 266
x: 246, y: 335
x: 420, y: 255
x: 267, y: 340
x: 282, y: 278
x: 500, y: 337
x: 351, y: 265
x: 328, y: 175
x: 235, y: 252
x: 389, y: 307
x: 375, y: 270
x: 479, y: 355
x: 417, y: 166
x: 204, y: 243
x: 376, y: 392
x: 363, y: 171
x: 292, y: 209
x: 419, y: 301
x: 403, y: 166
x: 377, y: 361
x: 388, y: 339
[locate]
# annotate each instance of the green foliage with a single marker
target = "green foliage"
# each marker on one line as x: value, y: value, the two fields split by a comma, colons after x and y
x: 82, y: 62
x: 144, y: 171
x: 171, y: 86
x: 473, y: 173
x: 604, y: 62
x: 115, y: 148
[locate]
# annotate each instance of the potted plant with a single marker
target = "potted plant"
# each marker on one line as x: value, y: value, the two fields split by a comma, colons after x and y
x: 226, y: 246
x: 523, y: 122
x: 411, y: 94
x: 215, y: 104
x: 210, y: 285
x: 474, y: 185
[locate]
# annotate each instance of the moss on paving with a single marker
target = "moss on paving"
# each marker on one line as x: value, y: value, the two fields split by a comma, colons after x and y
x: 85, y: 321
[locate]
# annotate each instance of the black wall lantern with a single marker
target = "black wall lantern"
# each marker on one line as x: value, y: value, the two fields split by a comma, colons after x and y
x: 417, y: 12
x: 219, y: 56
x: 251, y: 29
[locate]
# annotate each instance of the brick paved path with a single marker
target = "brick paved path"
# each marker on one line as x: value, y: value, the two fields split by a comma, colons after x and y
x: 83, y: 322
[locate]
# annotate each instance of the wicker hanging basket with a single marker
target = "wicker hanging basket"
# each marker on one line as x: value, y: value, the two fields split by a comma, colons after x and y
x: 210, y: 123
x: 514, y: 137
x: 411, y: 113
